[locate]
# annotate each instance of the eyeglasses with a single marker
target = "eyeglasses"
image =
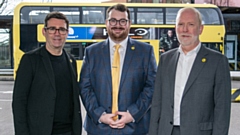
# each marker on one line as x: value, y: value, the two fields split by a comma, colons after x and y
x: 113, y: 22
x: 52, y: 30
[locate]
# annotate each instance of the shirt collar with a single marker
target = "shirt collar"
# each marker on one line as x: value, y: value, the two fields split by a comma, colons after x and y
x: 195, y: 50
x: 123, y: 43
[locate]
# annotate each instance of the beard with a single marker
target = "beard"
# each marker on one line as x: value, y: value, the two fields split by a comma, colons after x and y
x: 118, y: 36
x: 190, y: 40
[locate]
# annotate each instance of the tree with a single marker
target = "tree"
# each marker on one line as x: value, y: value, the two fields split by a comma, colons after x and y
x: 7, y: 6
x: 3, y: 5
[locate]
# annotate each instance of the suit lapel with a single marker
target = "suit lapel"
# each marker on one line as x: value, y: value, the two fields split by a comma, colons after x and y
x: 127, y: 60
x: 70, y: 65
x: 48, y: 66
x: 172, y: 72
x: 73, y: 72
x: 196, y: 68
x: 105, y: 54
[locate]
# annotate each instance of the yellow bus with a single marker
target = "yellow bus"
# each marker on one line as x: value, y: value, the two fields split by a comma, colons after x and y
x: 151, y: 23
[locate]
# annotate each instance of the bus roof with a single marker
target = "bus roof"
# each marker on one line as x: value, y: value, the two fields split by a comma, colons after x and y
x: 110, y: 4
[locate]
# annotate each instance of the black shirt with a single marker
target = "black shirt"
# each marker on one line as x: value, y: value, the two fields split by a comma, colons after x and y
x: 63, y: 113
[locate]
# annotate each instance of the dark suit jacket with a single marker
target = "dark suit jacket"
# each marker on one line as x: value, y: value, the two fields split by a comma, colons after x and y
x: 34, y: 95
x: 135, y: 92
x: 206, y: 100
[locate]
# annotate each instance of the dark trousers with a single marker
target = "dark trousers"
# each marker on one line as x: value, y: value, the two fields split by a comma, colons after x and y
x: 68, y: 133
x: 92, y: 134
x: 115, y: 134
x: 176, y: 130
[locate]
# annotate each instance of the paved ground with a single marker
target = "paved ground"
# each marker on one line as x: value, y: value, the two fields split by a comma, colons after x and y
x: 6, y: 121
x: 6, y: 78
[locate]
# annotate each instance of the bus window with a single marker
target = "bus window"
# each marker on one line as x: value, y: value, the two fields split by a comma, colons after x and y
x: 72, y: 13
x: 93, y: 15
x: 33, y: 15
x: 149, y: 16
x: 83, y: 46
x: 37, y: 16
x: 209, y: 16
x: 215, y: 46
x: 132, y: 15
x: 171, y: 14
x: 73, y: 49
x: 28, y: 37
x: 5, y: 58
x: 77, y: 49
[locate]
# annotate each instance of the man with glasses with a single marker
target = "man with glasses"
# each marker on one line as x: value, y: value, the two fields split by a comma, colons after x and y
x: 46, y: 92
x: 116, y: 80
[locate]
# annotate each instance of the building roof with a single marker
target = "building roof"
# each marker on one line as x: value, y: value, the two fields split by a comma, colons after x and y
x: 6, y: 21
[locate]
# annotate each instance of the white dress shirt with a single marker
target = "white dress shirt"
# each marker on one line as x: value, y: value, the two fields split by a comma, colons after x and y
x: 184, y: 67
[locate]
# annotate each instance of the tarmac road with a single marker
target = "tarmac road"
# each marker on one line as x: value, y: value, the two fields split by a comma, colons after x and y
x: 6, y: 120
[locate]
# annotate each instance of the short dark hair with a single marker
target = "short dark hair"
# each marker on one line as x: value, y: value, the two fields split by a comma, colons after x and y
x: 57, y: 15
x: 119, y: 7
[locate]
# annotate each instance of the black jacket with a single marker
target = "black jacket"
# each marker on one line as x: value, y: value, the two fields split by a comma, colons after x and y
x: 34, y: 95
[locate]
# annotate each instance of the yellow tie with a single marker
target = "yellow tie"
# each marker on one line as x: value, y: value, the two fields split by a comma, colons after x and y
x: 115, y: 80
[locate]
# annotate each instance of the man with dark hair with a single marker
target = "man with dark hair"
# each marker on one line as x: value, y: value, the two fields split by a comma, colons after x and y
x: 169, y: 41
x: 46, y: 93
x: 116, y: 80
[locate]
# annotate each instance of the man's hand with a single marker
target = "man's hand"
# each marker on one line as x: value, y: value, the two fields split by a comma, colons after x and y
x: 126, y: 117
x: 107, y: 118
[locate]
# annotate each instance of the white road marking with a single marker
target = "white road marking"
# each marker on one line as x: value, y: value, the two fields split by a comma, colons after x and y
x: 5, y: 100
x: 6, y: 92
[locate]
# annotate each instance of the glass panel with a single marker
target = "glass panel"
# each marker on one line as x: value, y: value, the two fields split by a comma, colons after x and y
x: 73, y: 49
x: 37, y: 16
x: 83, y: 47
x: 93, y: 15
x: 149, y: 16
x: 171, y: 14
x: 28, y: 37
x: 72, y: 13
x: 132, y: 15
x: 214, y: 46
x: 5, y: 59
x: 33, y: 15
x: 209, y: 16
x: 76, y: 49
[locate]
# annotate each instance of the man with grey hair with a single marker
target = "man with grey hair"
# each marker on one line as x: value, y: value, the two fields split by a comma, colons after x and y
x: 192, y: 87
